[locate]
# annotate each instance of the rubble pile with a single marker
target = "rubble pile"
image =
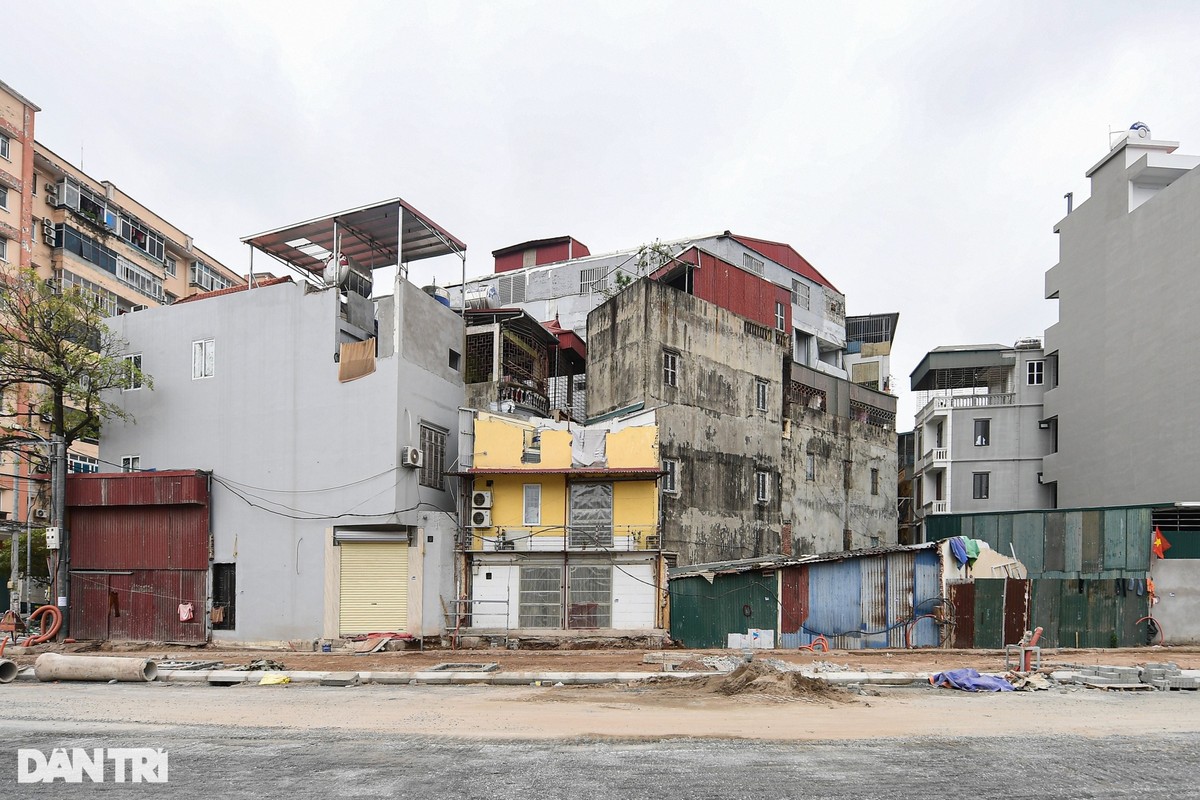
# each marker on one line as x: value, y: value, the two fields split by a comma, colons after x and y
x: 1164, y: 677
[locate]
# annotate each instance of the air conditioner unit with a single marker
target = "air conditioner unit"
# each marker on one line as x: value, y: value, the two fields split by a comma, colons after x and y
x: 40, y: 513
x: 411, y: 457
x: 481, y: 499
x: 481, y: 518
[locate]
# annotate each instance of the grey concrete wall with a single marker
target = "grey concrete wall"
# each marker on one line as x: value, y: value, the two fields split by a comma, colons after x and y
x: 294, y: 452
x: 709, y: 422
x: 1128, y: 390
x: 1178, y: 608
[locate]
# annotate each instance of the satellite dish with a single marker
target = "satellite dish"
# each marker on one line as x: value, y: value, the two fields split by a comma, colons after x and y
x: 1140, y: 129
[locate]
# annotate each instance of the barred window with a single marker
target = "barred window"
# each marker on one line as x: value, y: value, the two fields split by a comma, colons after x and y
x: 433, y: 452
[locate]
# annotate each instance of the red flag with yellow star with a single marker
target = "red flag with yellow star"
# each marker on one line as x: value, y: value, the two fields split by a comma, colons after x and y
x: 1160, y: 544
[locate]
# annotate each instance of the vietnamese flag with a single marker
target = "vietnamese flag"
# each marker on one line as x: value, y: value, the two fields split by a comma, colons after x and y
x: 1160, y: 545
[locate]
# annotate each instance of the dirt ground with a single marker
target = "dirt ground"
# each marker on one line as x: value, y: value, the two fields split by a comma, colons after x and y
x: 929, y: 660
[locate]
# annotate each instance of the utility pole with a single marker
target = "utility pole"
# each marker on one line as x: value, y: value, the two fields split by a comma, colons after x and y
x: 58, y: 489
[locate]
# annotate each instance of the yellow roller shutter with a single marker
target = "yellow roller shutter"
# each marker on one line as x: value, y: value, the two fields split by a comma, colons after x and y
x: 374, y: 590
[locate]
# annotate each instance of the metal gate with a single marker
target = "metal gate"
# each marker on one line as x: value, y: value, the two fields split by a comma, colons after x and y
x: 374, y: 587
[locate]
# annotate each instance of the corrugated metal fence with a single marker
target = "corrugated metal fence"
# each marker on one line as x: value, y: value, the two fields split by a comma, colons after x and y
x: 993, y: 612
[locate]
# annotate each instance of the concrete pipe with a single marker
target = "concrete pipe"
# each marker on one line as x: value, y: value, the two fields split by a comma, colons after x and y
x: 8, y: 670
x: 55, y: 667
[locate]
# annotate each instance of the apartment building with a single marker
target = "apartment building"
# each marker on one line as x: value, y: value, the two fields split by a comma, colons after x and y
x: 980, y: 437
x: 81, y: 232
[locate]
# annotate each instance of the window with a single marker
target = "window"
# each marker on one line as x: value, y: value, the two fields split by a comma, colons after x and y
x: 224, y: 597
x: 3, y: 249
x: 589, y: 596
x: 4, y: 146
x: 3, y: 197
x: 670, y: 482
x: 540, y: 597
x: 77, y: 463
x: 760, y: 394
x: 33, y: 189
x: 133, y: 372
x: 800, y: 292
x: 453, y: 360
x: 670, y: 368
x: 533, y: 505
x: 207, y: 278
x: 983, y: 432
x: 170, y: 265
x: 1035, y: 373
x: 204, y: 357
x: 980, y: 485
x: 751, y: 263
x: 762, y: 487
x: 590, y: 521
x: 810, y: 467
x: 587, y: 279
x: 874, y: 481
x: 131, y: 463
x: 433, y: 456
x: 780, y: 317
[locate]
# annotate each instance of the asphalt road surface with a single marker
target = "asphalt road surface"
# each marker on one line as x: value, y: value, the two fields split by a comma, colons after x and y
x: 316, y: 757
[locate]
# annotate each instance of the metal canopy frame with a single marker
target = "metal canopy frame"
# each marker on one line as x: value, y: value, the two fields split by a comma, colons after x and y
x: 392, y: 232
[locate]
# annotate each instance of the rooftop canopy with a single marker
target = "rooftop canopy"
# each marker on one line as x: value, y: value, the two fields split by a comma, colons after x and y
x: 378, y: 235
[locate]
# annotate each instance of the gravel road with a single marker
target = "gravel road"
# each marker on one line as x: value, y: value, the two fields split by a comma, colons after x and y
x: 311, y: 742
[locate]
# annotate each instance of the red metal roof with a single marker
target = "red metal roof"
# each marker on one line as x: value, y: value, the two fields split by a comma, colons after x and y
x: 258, y: 284
x: 168, y: 487
x: 785, y: 254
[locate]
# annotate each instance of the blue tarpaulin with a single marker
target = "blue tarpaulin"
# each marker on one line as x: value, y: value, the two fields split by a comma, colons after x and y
x: 969, y: 680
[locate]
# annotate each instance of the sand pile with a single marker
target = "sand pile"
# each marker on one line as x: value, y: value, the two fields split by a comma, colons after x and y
x: 764, y: 679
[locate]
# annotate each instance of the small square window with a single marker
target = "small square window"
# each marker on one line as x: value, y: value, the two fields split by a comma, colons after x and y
x: 170, y: 265
x: 204, y: 357
x: 980, y: 485
x: 533, y: 505
x: 762, y: 487
x: 670, y: 362
x: 133, y: 372
x: 983, y: 432
x: 3, y: 197
x: 131, y: 463
x: 760, y: 394
x: 1035, y: 373
x: 453, y: 360
x: 4, y: 250
x: 670, y: 481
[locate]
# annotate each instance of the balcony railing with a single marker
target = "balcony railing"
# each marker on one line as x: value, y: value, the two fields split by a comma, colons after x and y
x: 935, y: 507
x: 559, y: 538
x: 933, y: 456
x: 969, y: 401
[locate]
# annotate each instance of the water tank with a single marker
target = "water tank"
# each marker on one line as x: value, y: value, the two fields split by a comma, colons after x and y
x: 483, y: 297
x: 438, y: 293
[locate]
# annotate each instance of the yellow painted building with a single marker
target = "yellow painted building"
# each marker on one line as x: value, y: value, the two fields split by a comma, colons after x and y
x: 563, y: 525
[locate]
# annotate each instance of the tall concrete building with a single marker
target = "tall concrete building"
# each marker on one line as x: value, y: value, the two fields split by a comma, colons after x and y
x: 1122, y: 393
x: 761, y: 454
x: 980, y: 434
x: 86, y: 233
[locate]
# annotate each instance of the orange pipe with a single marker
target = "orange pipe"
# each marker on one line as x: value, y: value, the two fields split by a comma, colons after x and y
x: 1027, y: 659
x: 45, y: 636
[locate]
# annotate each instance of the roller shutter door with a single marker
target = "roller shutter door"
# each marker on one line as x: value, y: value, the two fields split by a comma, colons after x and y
x: 374, y: 587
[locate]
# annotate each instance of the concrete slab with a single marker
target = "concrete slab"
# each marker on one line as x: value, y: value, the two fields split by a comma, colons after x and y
x: 340, y: 679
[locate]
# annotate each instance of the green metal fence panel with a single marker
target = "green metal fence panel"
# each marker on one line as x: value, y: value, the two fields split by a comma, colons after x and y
x: 1103, y: 629
x: 1054, y: 555
x: 1073, y: 542
x: 966, y: 527
x: 703, y: 614
x: 1114, y: 539
x: 1184, y: 544
x: 1004, y: 534
x: 1138, y: 530
x: 1046, y: 609
x: 1027, y: 541
x: 1093, y: 543
x: 1072, y: 614
x: 989, y: 612
x: 985, y: 528
x: 942, y: 526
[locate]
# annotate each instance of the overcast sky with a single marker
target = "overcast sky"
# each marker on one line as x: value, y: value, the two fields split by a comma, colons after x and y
x: 915, y: 153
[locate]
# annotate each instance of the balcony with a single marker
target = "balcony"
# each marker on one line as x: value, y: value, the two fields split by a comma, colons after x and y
x: 967, y: 401
x: 562, y: 538
x: 935, y: 507
x: 935, y: 458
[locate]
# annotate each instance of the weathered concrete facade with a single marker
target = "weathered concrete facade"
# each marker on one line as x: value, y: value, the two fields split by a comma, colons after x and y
x: 738, y: 421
